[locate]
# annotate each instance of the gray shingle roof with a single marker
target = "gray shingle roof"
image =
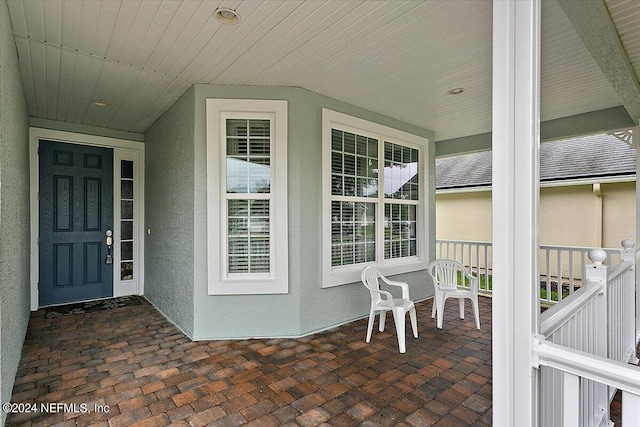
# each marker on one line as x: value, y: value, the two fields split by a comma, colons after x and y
x: 577, y: 158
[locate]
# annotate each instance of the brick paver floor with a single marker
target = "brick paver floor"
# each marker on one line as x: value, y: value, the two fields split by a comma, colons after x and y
x: 140, y: 367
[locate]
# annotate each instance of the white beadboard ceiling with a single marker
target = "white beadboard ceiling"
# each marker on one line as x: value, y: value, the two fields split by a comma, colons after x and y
x: 393, y: 57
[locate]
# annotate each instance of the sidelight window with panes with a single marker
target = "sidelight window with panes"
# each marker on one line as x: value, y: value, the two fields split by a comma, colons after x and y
x: 126, y: 219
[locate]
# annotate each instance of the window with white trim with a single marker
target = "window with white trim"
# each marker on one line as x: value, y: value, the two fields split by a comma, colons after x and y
x: 374, y: 207
x: 247, y: 196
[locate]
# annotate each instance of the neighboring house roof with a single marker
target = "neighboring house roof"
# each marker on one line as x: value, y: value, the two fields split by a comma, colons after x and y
x: 570, y: 159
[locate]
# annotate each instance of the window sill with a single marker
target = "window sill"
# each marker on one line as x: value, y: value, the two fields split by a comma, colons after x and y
x: 249, y: 287
x: 351, y: 274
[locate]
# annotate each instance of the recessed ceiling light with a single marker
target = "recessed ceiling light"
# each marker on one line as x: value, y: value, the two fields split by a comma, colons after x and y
x: 455, y: 91
x: 227, y: 16
x: 100, y: 102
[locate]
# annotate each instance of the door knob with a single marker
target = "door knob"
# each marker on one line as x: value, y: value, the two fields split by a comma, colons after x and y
x: 109, y: 241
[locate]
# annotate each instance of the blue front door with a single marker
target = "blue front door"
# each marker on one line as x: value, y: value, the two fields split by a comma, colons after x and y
x: 76, y: 211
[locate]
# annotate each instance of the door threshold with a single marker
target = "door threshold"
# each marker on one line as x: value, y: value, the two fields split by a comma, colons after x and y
x: 60, y: 310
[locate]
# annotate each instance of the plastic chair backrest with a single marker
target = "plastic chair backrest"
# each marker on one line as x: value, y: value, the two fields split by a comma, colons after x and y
x: 369, y: 278
x: 446, y: 273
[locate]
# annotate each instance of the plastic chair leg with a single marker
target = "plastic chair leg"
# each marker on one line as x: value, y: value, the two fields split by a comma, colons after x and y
x: 461, y: 304
x: 433, y: 307
x: 414, y: 322
x: 383, y: 318
x: 398, y: 318
x: 370, y: 326
x: 476, y: 312
x: 440, y: 312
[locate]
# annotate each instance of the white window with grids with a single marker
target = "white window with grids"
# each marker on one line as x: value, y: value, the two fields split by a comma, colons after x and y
x: 373, y: 199
x: 247, y: 196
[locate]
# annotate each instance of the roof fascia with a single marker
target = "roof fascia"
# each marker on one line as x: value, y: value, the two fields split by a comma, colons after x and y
x: 600, y: 121
x: 546, y: 184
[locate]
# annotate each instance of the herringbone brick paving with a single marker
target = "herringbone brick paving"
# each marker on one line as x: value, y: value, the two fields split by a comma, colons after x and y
x: 148, y: 373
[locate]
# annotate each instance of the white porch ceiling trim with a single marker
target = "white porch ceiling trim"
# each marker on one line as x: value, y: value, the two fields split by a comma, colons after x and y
x: 594, y: 25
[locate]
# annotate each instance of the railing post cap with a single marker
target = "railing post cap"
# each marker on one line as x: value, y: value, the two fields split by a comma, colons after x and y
x: 597, y: 256
x: 628, y: 243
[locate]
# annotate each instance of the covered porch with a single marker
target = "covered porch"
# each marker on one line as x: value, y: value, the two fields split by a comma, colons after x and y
x: 132, y: 362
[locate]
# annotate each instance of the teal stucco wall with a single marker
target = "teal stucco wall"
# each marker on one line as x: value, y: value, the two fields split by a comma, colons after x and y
x: 169, y: 213
x: 14, y: 209
x: 307, y: 307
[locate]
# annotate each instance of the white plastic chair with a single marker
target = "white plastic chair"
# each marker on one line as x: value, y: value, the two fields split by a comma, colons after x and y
x: 383, y: 301
x: 447, y: 274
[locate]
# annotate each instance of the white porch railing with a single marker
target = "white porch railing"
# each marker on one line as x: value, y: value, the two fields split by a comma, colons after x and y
x: 584, y: 345
x: 576, y: 366
x: 621, y: 309
x: 477, y: 256
x: 561, y: 267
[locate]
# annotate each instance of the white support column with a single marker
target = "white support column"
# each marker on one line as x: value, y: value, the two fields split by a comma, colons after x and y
x: 516, y: 136
x: 636, y: 143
